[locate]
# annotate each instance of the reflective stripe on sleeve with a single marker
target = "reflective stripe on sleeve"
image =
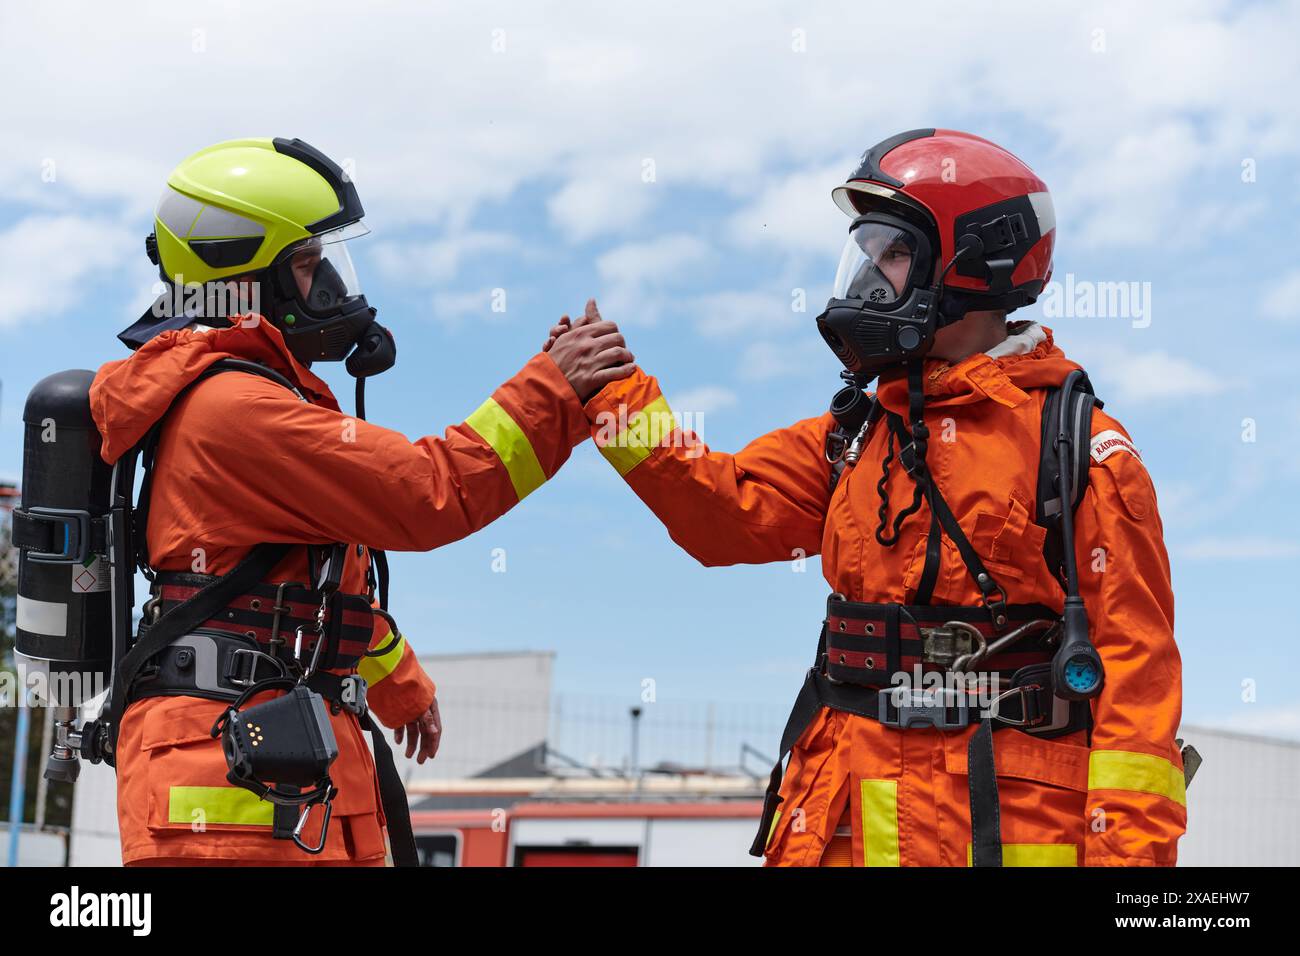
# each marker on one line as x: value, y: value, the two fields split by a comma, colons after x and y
x: 375, y: 669
x: 644, y: 432
x: 495, y: 426
x: 1142, y: 773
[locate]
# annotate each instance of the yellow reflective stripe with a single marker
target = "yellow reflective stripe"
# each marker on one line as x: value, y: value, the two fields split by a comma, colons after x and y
x: 776, y: 817
x: 880, y: 822
x: 1143, y: 773
x: 495, y: 426
x: 1033, y: 854
x: 218, y: 805
x: 645, y: 430
x: 375, y: 669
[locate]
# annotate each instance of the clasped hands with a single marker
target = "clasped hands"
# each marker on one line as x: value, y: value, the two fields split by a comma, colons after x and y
x: 590, y: 352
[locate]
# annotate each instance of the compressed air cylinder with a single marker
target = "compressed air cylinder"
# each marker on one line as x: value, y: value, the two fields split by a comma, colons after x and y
x: 64, y: 600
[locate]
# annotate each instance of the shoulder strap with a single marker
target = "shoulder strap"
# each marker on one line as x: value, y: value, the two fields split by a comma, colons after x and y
x: 183, y: 618
x: 148, y: 447
x: 1081, y: 403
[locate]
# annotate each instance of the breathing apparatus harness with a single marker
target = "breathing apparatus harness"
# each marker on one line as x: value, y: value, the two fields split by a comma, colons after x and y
x: 222, y: 638
x: 226, y: 638
x: 1053, y: 668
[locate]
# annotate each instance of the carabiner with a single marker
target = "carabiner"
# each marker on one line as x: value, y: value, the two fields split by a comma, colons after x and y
x: 987, y: 650
x: 838, y: 441
x: 328, y: 804
x: 315, y: 651
x: 280, y: 609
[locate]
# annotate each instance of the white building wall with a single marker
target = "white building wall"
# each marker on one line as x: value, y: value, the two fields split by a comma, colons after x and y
x: 493, y: 706
x: 1243, y: 806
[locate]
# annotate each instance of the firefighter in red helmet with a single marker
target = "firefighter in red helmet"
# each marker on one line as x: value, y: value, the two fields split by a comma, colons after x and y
x: 996, y: 681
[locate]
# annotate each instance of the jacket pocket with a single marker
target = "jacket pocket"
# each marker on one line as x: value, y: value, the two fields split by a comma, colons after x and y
x: 188, y: 789
x: 1042, y: 793
x: 795, y: 837
x: 1023, y: 757
x: 949, y: 583
x: 1010, y: 544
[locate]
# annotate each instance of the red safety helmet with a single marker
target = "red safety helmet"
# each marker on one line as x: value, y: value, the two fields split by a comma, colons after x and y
x: 969, y: 187
x: 944, y: 223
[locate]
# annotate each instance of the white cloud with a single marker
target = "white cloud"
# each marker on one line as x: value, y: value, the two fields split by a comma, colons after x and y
x: 452, y: 308
x: 448, y: 114
x: 1121, y: 195
x: 1187, y: 503
x: 704, y: 400
x: 628, y: 306
x: 662, y: 261
x: 723, y: 314
x: 442, y: 115
x: 1238, y: 549
x: 795, y: 212
x: 432, y: 263
x: 636, y: 277
x: 764, y: 361
x: 1283, y: 300
x: 49, y: 263
x: 1155, y: 376
x: 593, y: 204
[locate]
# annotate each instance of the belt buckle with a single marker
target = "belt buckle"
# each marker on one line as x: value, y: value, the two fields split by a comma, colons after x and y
x: 924, y: 708
x: 1060, y: 716
x: 75, y: 525
x: 949, y: 643
x: 1028, y: 703
x: 254, y: 656
x: 357, y: 705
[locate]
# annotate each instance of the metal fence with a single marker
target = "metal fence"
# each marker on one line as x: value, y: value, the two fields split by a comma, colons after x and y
x: 610, y: 731
x: 484, y: 727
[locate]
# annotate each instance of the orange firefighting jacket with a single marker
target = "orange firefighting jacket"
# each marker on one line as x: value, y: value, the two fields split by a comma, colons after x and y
x: 242, y: 461
x: 1117, y: 800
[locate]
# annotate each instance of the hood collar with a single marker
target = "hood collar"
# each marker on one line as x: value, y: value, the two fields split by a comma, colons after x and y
x: 1003, y: 378
x: 129, y: 395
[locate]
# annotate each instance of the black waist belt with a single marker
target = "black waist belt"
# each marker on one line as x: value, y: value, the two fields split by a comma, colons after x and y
x: 868, y: 644
x: 271, y: 614
x: 219, y: 666
x: 931, y: 638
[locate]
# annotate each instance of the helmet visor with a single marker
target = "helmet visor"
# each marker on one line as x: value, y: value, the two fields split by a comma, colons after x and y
x: 321, y: 268
x: 877, y: 263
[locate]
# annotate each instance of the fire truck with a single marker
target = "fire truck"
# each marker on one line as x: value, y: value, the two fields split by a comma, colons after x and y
x: 692, y: 820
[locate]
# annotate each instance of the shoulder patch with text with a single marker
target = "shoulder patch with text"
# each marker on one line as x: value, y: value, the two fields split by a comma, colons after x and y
x: 1105, y: 444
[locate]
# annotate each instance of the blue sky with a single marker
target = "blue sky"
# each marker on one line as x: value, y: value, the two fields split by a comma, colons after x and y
x: 495, y: 148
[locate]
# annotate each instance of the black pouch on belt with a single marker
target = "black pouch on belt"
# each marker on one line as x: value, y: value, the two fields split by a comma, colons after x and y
x: 287, y: 740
